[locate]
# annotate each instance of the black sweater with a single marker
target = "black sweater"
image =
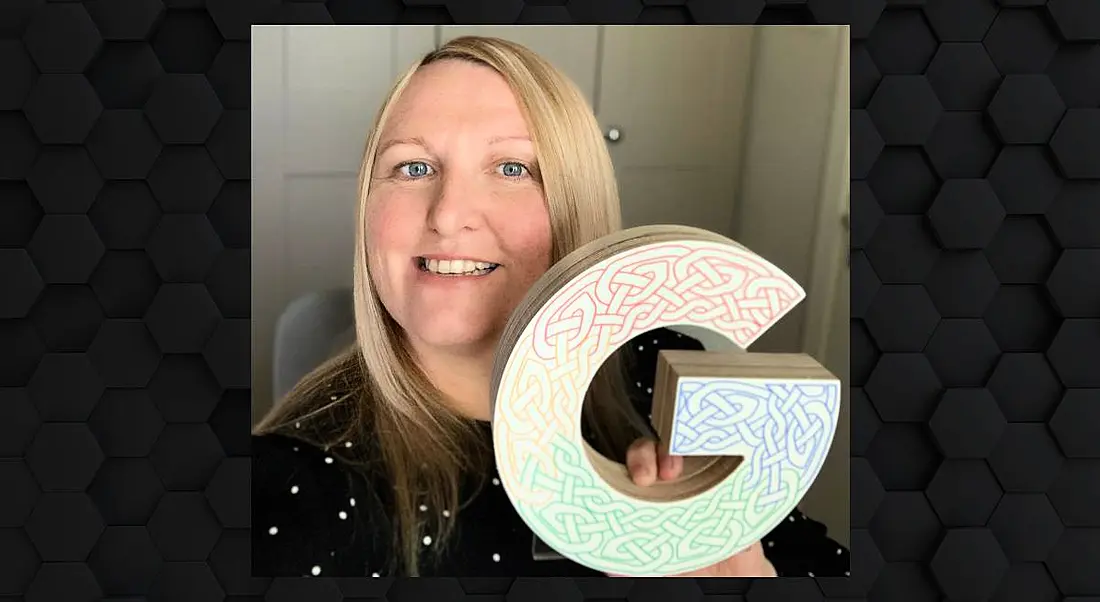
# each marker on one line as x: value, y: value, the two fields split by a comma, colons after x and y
x: 313, y: 515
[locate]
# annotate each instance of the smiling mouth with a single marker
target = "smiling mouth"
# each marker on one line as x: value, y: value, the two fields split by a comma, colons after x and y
x: 455, y: 267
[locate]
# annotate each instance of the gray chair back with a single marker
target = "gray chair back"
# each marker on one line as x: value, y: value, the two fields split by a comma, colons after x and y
x: 312, y: 329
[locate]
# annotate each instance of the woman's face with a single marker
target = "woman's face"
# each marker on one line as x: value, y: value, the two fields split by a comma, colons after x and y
x: 457, y: 225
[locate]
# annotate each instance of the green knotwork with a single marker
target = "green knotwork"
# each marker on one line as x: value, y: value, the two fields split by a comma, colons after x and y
x: 593, y: 526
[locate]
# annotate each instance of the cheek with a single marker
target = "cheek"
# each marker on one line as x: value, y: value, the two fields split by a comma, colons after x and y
x: 393, y: 228
x: 524, y: 227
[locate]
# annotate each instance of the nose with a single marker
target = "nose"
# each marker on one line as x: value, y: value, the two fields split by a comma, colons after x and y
x: 457, y: 205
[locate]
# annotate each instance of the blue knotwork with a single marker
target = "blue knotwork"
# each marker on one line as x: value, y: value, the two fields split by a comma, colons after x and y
x: 771, y: 423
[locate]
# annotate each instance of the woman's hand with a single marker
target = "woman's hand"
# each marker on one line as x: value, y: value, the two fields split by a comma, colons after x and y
x: 647, y: 466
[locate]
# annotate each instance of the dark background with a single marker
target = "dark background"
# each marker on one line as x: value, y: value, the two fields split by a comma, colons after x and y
x: 124, y: 235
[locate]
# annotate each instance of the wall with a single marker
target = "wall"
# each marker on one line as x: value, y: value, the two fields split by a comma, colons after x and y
x: 786, y: 149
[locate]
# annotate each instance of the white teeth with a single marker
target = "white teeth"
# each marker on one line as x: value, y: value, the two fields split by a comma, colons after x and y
x: 456, y: 266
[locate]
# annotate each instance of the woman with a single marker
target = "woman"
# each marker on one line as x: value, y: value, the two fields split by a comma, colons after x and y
x: 484, y: 167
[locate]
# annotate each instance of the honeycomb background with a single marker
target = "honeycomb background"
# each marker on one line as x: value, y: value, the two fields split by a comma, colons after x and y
x: 124, y: 253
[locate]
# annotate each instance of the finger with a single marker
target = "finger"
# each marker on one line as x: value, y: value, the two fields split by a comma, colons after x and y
x: 669, y: 467
x: 754, y: 551
x: 752, y: 562
x: 641, y: 461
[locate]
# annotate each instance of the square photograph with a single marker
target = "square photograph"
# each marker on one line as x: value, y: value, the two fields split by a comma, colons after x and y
x: 550, y: 301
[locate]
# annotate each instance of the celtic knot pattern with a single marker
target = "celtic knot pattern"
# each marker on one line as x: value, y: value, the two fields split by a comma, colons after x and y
x: 784, y: 436
x: 592, y: 524
x: 721, y: 287
x: 774, y: 425
x: 719, y: 417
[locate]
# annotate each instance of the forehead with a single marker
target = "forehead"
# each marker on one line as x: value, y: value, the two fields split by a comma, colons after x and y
x: 452, y: 92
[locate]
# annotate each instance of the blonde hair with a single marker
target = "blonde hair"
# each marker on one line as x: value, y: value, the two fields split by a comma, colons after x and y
x: 375, y: 395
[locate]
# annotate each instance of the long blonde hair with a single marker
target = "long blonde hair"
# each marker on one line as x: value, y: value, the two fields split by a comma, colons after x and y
x: 375, y: 396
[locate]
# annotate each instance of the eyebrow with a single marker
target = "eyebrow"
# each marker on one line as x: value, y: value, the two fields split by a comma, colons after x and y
x: 418, y: 141
x: 499, y: 139
x: 415, y: 141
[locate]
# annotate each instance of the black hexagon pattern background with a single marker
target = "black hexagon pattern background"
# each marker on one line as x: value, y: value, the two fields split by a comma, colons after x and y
x: 124, y: 216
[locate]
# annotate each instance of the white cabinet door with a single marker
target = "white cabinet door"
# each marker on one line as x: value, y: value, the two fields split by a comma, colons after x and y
x: 827, y: 327
x: 336, y: 79
x: 675, y: 95
x: 789, y: 141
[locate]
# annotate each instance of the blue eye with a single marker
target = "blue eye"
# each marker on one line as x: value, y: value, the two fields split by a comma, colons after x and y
x: 512, y: 169
x: 415, y: 169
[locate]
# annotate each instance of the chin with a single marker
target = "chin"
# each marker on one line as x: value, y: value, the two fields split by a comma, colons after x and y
x: 455, y: 332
